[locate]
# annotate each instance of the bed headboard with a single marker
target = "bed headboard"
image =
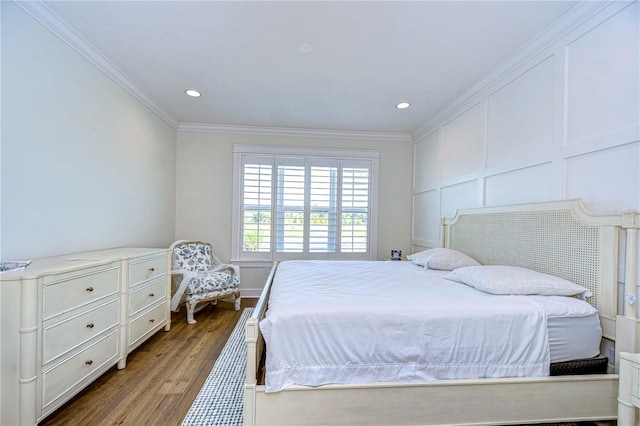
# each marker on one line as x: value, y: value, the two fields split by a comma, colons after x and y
x: 559, y: 238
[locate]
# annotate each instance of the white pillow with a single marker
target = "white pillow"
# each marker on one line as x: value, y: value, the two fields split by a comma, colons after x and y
x: 421, y: 257
x: 443, y: 259
x: 499, y: 279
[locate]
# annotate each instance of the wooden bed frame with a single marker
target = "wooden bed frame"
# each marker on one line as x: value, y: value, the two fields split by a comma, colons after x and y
x: 559, y: 238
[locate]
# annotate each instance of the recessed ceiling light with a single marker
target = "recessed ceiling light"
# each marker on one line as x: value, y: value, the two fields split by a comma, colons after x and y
x: 305, y: 48
x: 192, y: 92
x: 403, y: 105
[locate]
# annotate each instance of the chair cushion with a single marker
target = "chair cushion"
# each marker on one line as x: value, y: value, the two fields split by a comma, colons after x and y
x: 192, y: 257
x: 212, y: 281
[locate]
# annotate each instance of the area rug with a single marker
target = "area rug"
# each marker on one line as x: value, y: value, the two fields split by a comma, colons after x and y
x: 220, y: 400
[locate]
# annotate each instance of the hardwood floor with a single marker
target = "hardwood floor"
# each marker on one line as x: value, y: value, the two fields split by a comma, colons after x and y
x: 162, y: 377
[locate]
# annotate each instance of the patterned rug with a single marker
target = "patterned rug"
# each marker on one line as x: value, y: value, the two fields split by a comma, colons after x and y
x: 220, y: 400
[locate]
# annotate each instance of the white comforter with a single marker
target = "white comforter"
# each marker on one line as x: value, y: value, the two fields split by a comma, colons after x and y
x: 364, y: 322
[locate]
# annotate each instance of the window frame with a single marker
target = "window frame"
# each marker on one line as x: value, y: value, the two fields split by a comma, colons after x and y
x: 316, y: 156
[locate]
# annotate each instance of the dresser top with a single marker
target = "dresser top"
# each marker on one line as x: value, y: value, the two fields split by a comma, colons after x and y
x: 74, y: 261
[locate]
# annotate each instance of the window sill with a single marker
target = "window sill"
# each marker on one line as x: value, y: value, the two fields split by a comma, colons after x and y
x: 252, y: 263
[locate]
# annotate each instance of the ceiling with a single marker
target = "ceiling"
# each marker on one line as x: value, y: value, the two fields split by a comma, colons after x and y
x: 366, y: 56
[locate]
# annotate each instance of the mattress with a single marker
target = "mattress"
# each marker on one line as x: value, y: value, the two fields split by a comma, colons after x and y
x: 572, y: 338
x: 364, y: 322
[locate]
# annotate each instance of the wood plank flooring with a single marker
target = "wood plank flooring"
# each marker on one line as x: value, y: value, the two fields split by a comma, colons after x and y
x: 162, y: 376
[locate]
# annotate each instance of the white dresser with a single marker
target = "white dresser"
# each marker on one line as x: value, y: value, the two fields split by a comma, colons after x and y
x: 68, y: 319
x: 147, y: 292
x: 629, y: 389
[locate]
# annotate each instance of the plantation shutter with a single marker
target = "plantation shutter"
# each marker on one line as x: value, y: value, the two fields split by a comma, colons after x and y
x: 256, y: 204
x: 323, y: 208
x: 355, y: 209
x: 303, y: 207
x: 290, y: 210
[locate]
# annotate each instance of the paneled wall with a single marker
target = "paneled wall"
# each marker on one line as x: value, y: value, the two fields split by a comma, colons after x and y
x: 561, y: 123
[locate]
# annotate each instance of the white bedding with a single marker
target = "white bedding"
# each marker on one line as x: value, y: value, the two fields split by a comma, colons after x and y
x: 364, y: 322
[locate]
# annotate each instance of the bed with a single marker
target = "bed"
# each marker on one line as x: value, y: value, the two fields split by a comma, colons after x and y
x: 558, y: 238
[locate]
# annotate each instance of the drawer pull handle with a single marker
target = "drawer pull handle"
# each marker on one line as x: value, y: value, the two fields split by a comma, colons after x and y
x: 152, y: 269
x: 152, y: 320
x: 90, y: 325
x: 88, y: 362
x: 151, y: 294
x: 89, y: 288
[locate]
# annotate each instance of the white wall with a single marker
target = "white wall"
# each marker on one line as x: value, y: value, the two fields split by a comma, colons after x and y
x: 204, y: 190
x: 84, y: 164
x: 561, y: 123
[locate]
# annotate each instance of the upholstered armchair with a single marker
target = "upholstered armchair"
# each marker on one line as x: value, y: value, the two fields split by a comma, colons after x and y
x: 199, y: 277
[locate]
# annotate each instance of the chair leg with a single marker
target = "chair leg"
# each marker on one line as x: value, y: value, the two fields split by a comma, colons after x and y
x: 236, y: 304
x: 191, y: 308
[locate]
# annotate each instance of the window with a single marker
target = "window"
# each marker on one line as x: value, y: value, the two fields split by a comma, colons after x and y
x: 304, y: 203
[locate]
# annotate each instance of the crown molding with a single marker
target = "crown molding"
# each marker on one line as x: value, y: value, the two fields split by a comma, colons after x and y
x: 50, y: 20
x: 574, y: 17
x: 294, y: 132
x: 39, y: 11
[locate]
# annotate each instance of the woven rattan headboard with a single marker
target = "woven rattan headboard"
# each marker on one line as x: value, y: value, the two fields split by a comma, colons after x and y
x: 558, y: 238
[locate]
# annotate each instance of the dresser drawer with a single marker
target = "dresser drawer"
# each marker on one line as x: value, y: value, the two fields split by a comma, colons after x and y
x: 147, y: 322
x: 635, y: 384
x: 64, y: 376
x: 145, y: 296
x: 147, y: 268
x: 78, y: 290
x: 71, y: 333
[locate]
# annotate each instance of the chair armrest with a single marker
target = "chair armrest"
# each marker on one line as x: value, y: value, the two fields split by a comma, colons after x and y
x: 182, y: 286
x: 222, y: 266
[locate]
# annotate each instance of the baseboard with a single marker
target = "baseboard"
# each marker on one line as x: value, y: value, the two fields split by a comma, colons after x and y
x: 250, y: 293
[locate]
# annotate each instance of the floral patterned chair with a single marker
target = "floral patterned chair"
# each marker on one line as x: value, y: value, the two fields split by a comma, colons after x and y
x: 199, y: 277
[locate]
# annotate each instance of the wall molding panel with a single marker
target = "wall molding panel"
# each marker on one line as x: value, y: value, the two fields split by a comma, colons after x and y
x: 558, y: 120
x: 601, y: 84
x: 519, y: 117
x: 425, y: 230
x: 577, y: 17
